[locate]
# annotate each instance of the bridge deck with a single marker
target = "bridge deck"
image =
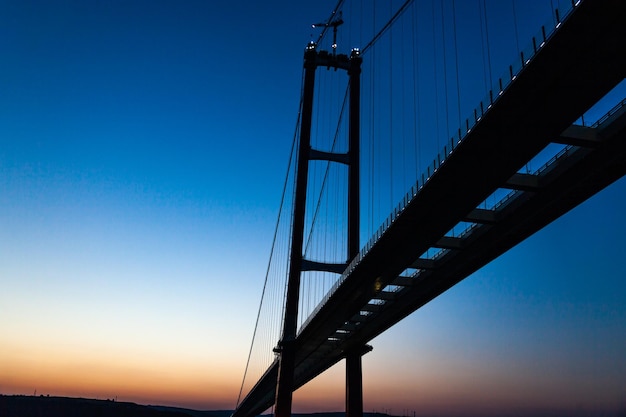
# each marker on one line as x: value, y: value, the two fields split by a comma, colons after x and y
x: 578, y: 65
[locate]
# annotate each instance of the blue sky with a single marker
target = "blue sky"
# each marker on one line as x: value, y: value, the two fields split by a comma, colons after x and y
x: 143, y: 148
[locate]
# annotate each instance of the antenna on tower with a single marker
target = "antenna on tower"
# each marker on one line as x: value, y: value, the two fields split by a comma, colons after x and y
x: 334, y: 24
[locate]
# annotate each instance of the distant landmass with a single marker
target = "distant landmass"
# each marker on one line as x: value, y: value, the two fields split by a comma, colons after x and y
x: 46, y: 406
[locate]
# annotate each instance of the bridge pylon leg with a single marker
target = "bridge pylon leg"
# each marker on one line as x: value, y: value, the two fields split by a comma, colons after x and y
x: 354, y: 382
x: 285, y: 379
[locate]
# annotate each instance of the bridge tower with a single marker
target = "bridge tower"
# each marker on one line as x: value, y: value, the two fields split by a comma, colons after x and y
x: 297, y: 264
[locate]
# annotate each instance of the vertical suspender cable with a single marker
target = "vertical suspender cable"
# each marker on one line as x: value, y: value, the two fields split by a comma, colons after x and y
x: 515, y: 27
x: 482, y: 41
x: 403, y: 106
x: 390, y: 114
x: 267, y: 273
x: 487, y: 43
x: 518, y: 52
x: 365, y: 49
x: 372, y: 164
x: 456, y: 60
x: 416, y: 97
x: 318, y: 204
x: 398, y: 13
x: 445, y: 74
x: 435, y: 78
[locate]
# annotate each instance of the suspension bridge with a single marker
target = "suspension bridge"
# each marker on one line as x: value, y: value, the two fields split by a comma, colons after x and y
x: 523, y: 157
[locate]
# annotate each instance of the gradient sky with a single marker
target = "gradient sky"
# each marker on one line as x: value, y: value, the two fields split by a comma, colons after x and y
x: 143, y: 146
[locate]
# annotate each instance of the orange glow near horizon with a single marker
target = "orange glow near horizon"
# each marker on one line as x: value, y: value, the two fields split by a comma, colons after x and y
x: 458, y: 389
x: 169, y: 381
x: 145, y: 387
x: 324, y: 393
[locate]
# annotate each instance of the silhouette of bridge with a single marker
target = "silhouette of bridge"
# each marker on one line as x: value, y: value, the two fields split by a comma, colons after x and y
x: 413, y: 257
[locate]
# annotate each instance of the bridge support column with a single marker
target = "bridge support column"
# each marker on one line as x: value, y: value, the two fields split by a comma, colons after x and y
x: 354, y: 382
x: 286, y: 349
x: 354, y: 386
x: 354, y: 374
x: 354, y: 138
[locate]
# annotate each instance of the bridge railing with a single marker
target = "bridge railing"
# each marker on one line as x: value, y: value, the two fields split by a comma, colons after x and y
x: 610, y: 113
x: 559, y: 156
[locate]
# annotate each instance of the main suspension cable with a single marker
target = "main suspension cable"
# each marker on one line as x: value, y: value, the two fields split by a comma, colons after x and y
x: 387, y: 26
x: 329, y: 20
x: 274, y: 240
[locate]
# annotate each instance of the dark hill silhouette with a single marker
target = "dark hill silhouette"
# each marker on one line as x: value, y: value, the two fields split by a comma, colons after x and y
x: 46, y: 406
x: 29, y: 406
